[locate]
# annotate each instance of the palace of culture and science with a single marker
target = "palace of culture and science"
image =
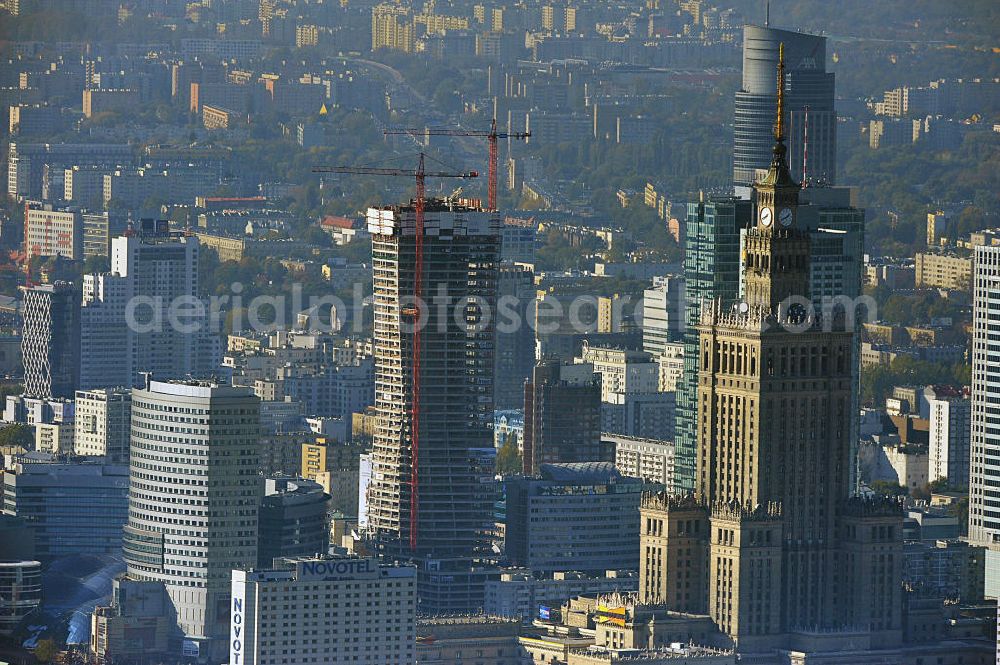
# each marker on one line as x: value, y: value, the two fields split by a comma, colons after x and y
x: 771, y: 545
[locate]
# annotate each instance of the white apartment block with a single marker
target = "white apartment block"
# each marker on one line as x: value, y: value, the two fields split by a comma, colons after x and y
x: 662, y: 314
x: 950, y: 416
x: 324, y: 611
x: 622, y: 371
x: 649, y: 459
x: 671, y: 364
x: 55, y: 438
x: 102, y: 423
x: 53, y: 231
x: 984, y: 468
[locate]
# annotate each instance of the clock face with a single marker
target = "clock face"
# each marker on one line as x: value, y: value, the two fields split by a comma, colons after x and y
x: 766, y: 217
x: 785, y: 216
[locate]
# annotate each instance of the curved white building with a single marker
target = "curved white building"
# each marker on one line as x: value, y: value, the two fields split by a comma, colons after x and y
x: 194, y: 493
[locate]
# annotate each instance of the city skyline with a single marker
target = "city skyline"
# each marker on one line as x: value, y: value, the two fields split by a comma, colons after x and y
x: 465, y: 333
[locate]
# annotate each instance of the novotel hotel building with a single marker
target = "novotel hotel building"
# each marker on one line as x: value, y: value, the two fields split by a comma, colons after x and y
x: 324, y: 611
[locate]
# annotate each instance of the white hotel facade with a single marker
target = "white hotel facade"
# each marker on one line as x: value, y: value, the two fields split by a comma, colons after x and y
x: 324, y: 611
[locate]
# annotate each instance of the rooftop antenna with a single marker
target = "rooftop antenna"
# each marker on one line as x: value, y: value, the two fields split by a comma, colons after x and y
x: 767, y: 14
x: 805, y: 149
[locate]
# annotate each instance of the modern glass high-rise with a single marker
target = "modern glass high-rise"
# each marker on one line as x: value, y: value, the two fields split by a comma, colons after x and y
x: 424, y: 498
x: 50, y: 340
x: 809, y: 100
x: 194, y: 495
x: 984, y: 470
x: 711, y: 272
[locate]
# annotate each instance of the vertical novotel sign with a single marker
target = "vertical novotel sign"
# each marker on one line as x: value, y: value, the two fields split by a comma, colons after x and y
x: 237, y: 626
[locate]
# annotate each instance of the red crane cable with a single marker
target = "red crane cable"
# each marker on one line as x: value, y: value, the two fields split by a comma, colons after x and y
x: 418, y: 278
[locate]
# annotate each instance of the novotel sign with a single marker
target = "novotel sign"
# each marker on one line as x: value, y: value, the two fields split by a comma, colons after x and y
x: 335, y: 569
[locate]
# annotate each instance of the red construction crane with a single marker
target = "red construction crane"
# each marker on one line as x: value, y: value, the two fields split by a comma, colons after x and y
x: 420, y: 174
x: 492, y: 135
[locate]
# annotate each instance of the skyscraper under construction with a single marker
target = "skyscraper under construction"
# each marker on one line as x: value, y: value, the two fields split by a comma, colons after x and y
x: 434, y: 346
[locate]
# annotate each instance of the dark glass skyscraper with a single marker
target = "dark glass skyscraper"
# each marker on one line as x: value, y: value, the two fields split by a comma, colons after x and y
x: 809, y: 100
x: 711, y: 271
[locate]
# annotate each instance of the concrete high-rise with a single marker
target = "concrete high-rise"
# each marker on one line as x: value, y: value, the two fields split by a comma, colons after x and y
x: 562, y: 415
x: 515, y: 354
x: 809, y: 99
x: 433, y: 390
x: 662, y: 314
x: 102, y: 423
x: 140, y: 316
x: 50, y: 340
x: 950, y: 416
x: 984, y: 469
x: 194, y: 495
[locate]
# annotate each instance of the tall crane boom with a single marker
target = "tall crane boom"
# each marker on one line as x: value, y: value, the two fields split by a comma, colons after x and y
x: 420, y: 174
x: 491, y: 136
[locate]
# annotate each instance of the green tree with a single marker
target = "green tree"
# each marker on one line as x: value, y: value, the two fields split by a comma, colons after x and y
x: 960, y: 509
x: 96, y: 264
x: 45, y: 651
x: 888, y: 488
x: 17, y: 435
x: 508, y: 459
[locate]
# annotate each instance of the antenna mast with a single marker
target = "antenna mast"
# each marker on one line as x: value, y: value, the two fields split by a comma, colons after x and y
x: 805, y: 149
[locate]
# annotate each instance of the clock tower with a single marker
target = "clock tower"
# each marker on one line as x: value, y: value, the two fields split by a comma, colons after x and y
x: 776, y: 253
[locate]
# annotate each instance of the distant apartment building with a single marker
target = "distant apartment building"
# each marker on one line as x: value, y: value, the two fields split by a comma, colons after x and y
x: 34, y: 120
x: 97, y: 101
x: 306, y: 35
x: 217, y: 117
x: 26, y: 162
x: 943, y: 271
x: 649, y: 459
x: 84, y: 185
x: 662, y: 314
x: 99, y: 229
x: 622, y: 371
x: 295, y: 611
x: 53, y: 231
x: 948, y: 448
x: 54, y: 438
x: 162, y: 270
x: 392, y: 28
x: 102, y: 423
x: 671, y: 366
x: 335, y: 465
x: 937, y: 227
x: 515, y: 344
x: 562, y: 415
x: 135, y: 188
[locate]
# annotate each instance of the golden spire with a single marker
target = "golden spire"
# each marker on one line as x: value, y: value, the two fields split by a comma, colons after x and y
x: 779, y: 126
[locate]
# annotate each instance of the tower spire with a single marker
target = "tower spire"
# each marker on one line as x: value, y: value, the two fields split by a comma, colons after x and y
x: 779, y: 125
